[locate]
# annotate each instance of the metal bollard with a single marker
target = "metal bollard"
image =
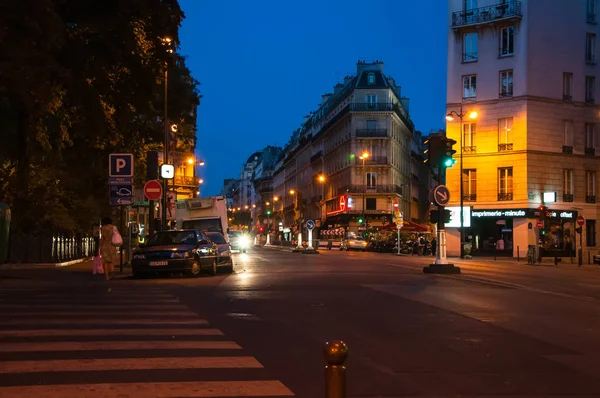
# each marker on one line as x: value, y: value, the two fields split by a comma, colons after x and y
x: 518, y: 254
x: 335, y: 354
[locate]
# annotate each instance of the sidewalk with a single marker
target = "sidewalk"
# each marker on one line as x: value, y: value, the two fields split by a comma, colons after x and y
x: 44, y: 265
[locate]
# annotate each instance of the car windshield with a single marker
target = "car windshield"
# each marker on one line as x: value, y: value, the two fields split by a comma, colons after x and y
x: 216, y: 237
x: 172, y: 238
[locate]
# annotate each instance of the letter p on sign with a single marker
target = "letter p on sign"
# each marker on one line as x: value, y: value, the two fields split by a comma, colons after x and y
x: 120, y: 165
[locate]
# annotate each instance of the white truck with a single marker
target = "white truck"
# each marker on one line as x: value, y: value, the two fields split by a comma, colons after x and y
x: 203, y: 214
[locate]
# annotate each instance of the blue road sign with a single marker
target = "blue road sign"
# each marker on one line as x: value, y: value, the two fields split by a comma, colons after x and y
x: 120, y: 181
x: 310, y: 224
x: 121, y: 194
x: 120, y: 165
x: 441, y: 195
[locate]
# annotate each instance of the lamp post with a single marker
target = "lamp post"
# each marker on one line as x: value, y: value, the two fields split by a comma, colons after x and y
x: 195, y: 163
x: 450, y: 117
x: 322, y: 180
x: 295, y: 195
x: 364, y: 156
x: 168, y: 43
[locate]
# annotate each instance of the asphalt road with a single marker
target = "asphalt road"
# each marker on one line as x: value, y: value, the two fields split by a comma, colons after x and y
x: 500, y: 329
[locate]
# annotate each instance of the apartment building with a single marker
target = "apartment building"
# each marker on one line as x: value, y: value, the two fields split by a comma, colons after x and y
x: 528, y: 69
x: 351, y: 158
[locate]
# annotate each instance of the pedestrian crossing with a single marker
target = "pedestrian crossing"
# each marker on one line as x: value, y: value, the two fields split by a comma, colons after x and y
x: 96, y: 343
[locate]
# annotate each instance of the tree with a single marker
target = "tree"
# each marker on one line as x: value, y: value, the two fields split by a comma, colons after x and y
x: 80, y: 79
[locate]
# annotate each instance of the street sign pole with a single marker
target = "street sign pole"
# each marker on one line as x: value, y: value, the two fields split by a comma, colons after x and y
x: 310, y: 225
x: 580, y: 222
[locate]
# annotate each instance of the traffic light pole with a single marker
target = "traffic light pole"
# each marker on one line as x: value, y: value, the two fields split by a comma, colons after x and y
x: 440, y: 254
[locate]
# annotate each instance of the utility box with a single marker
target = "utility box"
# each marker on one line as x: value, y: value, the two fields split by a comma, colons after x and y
x: 4, y: 228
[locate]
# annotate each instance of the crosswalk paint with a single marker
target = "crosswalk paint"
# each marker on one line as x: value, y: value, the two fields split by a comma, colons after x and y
x: 109, y: 332
x: 104, y: 321
x: 96, y: 301
x: 77, y: 306
x: 265, y: 388
x: 87, y: 365
x: 121, y: 312
x: 118, y: 345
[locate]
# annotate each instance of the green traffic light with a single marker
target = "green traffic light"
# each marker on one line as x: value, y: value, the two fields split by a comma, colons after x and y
x: 268, y: 212
x: 448, y: 163
x: 360, y: 220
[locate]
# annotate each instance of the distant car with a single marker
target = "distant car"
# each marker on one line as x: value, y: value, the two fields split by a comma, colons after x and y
x: 187, y: 251
x: 354, y: 244
x: 239, y: 241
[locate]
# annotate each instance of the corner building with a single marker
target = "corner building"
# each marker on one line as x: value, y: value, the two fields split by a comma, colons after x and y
x: 528, y: 68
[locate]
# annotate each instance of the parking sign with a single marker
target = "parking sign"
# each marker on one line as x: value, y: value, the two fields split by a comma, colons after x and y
x: 120, y: 165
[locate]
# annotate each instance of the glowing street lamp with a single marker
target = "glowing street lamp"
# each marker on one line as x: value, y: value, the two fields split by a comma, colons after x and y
x: 364, y: 156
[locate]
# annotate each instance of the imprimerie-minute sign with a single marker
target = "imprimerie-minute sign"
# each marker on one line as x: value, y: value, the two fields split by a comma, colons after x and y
x: 520, y: 213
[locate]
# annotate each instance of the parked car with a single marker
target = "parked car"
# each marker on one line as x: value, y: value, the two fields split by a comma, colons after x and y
x: 188, y: 251
x: 224, y: 249
x: 597, y: 258
x: 239, y: 241
x: 354, y: 244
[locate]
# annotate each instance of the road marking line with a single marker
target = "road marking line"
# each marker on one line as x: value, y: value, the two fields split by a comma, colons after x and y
x: 92, y: 302
x: 117, y: 345
x: 105, y: 296
x: 174, y: 313
x: 266, y: 388
x: 111, y: 332
x: 76, y: 306
x: 105, y: 321
x: 87, y: 365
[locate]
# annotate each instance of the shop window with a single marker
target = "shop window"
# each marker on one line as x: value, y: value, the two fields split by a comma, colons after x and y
x: 590, y: 232
x: 371, y: 203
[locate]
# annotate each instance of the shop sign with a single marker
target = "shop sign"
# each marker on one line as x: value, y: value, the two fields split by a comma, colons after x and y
x: 455, y: 217
x: 499, y: 213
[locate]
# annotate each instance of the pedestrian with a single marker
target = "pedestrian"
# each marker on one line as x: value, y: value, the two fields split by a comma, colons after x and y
x: 108, y: 251
x: 433, y: 246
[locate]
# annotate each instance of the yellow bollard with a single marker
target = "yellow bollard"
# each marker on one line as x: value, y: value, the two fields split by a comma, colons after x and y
x: 335, y: 353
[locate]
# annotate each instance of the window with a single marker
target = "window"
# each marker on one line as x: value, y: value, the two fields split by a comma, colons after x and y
x: 371, y: 125
x: 371, y: 203
x: 507, y: 41
x: 469, y: 138
x: 590, y: 187
x: 371, y: 78
x: 504, y: 134
x: 590, y: 232
x: 590, y: 48
x: 469, y: 4
x: 506, y: 83
x: 591, y: 11
x: 469, y: 86
x: 568, y: 143
x: 371, y: 100
x: 470, y: 47
x: 590, y: 89
x: 590, y: 136
x: 371, y: 180
x: 505, y: 183
x: 567, y: 185
x: 567, y: 85
x: 469, y: 182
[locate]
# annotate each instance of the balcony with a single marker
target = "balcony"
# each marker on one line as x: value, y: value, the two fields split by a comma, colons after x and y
x: 505, y: 147
x: 505, y: 196
x: 316, y: 156
x: 373, y: 160
x: 567, y: 197
x: 472, y: 197
x: 185, y: 181
x: 469, y: 149
x: 372, y: 133
x: 590, y: 151
x: 590, y: 198
x: 567, y: 149
x: 371, y: 189
x: 485, y: 15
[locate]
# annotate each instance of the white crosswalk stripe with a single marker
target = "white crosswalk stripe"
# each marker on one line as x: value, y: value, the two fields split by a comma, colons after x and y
x: 104, y: 346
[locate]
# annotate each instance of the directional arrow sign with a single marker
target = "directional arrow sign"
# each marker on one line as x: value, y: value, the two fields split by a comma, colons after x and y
x: 441, y: 195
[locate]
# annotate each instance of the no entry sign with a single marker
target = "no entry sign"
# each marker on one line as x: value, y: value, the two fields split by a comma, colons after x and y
x: 540, y: 224
x: 153, y: 190
x: 580, y: 221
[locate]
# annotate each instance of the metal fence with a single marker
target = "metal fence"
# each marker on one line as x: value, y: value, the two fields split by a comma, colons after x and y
x: 49, y: 249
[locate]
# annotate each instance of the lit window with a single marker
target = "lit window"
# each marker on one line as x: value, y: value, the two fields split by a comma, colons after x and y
x: 469, y: 130
x: 507, y: 41
x: 505, y: 183
x: 505, y: 134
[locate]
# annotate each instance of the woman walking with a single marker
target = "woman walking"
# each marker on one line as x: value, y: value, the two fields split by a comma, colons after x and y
x: 108, y: 251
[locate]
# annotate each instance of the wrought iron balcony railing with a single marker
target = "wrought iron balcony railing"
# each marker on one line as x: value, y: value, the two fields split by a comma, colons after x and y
x: 489, y: 14
x: 185, y: 180
x: 505, y: 196
x: 590, y: 198
x: 371, y: 189
x: 379, y: 160
x: 590, y: 151
x: 371, y: 133
x: 567, y: 197
x: 471, y: 197
x: 469, y: 149
x: 567, y: 149
x: 505, y: 147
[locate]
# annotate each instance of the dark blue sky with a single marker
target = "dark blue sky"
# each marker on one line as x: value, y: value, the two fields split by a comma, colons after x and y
x: 263, y: 65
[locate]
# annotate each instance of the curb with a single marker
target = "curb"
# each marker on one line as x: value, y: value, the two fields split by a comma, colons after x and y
x: 45, y: 265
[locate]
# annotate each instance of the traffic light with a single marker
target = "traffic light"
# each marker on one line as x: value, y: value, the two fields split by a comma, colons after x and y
x: 261, y: 230
x: 448, y: 152
x: 268, y: 212
x: 434, y: 216
x: 447, y: 216
x: 360, y: 220
x: 578, y: 230
x: 433, y: 151
x: 541, y: 211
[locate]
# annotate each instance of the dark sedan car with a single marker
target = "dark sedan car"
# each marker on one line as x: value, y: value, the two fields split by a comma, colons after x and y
x: 187, y: 251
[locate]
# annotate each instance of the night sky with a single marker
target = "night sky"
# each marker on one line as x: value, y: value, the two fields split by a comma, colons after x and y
x: 263, y: 65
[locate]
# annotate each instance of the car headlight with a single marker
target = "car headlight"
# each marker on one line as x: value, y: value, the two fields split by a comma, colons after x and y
x: 180, y: 255
x: 244, y: 241
x: 139, y: 256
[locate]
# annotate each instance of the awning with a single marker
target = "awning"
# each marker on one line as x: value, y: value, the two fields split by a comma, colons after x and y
x: 408, y: 226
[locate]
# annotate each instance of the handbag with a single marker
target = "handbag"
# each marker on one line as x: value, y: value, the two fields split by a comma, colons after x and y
x: 117, y: 239
x: 98, y: 269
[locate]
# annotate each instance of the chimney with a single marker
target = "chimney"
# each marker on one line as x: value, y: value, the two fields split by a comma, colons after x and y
x: 325, y: 97
x: 337, y: 88
x: 373, y: 66
x: 347, y: 79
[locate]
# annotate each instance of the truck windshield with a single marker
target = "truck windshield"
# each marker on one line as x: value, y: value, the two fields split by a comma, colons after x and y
x: 204, y: 225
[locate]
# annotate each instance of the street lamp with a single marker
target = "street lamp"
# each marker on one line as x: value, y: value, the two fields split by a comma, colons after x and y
x: 450, y: 117
x: 167, y: 42
x: 322, y: 180
x: 364, y: 156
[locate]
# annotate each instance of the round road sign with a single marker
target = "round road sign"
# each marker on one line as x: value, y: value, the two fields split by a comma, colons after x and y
x: 153, y: 190
x: 310, y: 224
x: 540, y: 224
x: 580, y: 221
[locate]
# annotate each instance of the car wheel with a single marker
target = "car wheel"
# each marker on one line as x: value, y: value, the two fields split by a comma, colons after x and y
x: 195, y: 270
x: 213, y: 269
